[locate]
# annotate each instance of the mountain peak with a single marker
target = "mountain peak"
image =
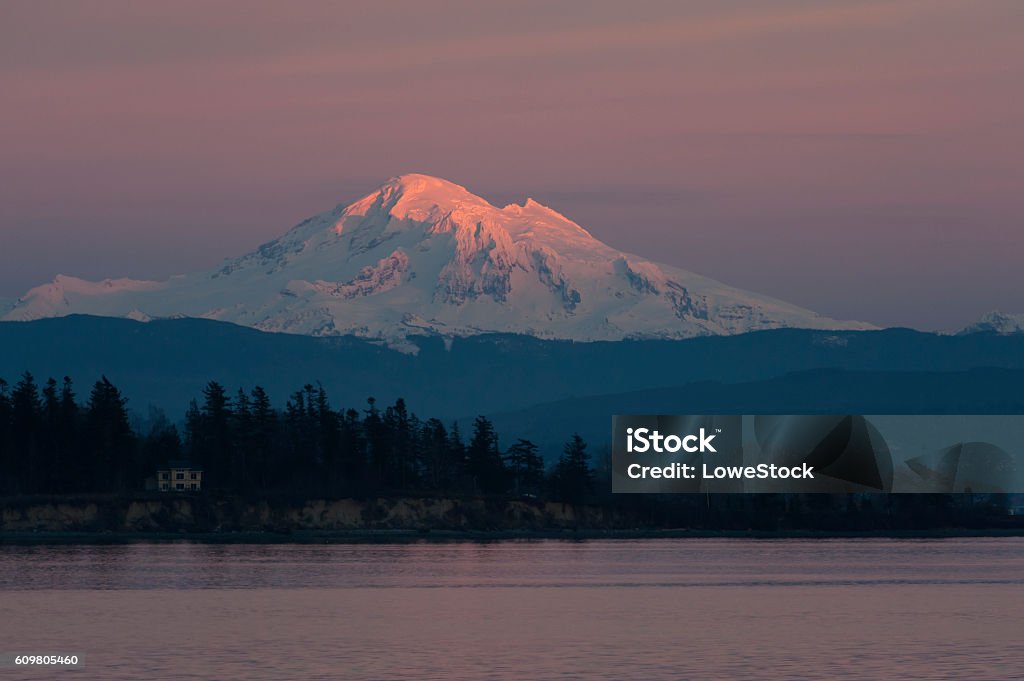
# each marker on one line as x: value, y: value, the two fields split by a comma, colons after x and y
x: 418, y: 197
x: 422, y: 255
x: 411, y: 184
x: 429, y: 199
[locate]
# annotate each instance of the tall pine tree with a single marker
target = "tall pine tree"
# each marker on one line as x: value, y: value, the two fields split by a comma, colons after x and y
x: 110, y: 442
x: 573, y: 478
x: 525, y: 466
x: 483, y: 458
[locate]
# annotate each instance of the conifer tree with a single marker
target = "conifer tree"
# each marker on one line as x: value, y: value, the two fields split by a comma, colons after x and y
x: 483, y: 458
x: 353, y: 446
x: 241, y: 446
x: 329, y: 439
x: 435, y: 454
x: 6, y: 448
x: 26, y: 412
x: 68, y: 439
x: 265, y: 438
x: 525, y: 466
x: 109, y: 440
x: 49, y: 439
x: 161, y: 444
x: 378, y: 445
x: 573, y: 478
x: 215, y: 450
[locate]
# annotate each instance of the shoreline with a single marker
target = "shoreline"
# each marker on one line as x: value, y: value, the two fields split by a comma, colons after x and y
x: 398, y: 536
x: 232, y: 520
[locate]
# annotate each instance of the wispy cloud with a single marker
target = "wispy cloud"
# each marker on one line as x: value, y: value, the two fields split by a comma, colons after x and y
x: 619, y: 36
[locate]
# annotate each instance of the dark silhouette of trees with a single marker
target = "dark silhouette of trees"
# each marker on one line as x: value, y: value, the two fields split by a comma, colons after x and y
x: 402, y: 471
x: 50, y: 443
x: 26, y: 433
x: 50, y: 450
x: 483, y: 458
x: 441, y: 456
x: 378, y: 450
x: 8, y: 453
x: 573, y: 479
x: 69, y: 459
x: 353, y: 447
x: 109, y: 440
x: 161, y: 444
x: 525, y: 467
x: 328, y: 427
x: 262, y: 440
x: 213, y: 443
x: 61, y: 457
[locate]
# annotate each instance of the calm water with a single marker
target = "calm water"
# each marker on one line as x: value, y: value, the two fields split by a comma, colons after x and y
x: 646, y: 609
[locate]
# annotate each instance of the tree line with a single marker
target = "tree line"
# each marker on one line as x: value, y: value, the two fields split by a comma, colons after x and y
x: 54, y: 443
x: 51, y: 442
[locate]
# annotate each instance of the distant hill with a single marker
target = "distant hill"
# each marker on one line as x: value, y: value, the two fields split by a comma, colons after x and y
x: 166, y: 363
x: 820, y: 391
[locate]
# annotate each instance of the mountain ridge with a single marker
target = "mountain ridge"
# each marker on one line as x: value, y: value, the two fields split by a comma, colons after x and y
x: 996, y: 322
x: 168, y: 362
x: 423, y: 256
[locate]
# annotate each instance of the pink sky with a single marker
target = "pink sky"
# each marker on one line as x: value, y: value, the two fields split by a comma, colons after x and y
x: 864, y: 159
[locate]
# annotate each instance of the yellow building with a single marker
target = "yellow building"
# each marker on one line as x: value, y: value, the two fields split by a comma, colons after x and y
x: 179, y: 476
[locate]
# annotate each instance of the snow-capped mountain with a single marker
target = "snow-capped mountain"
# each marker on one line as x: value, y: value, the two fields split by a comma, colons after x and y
x: 997, y: 322
x: 421, y: 255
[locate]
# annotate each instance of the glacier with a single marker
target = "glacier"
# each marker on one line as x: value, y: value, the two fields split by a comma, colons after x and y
x: 423, y: 256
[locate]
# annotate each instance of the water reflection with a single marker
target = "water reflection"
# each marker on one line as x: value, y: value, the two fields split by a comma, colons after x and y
x: 524, y: 609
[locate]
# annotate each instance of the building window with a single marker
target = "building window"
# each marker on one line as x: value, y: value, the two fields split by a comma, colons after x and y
x: 195, y: 486
x: 180, y: 485
x: 195, y: 476
x: 165, y: 476
x: 179, y: 476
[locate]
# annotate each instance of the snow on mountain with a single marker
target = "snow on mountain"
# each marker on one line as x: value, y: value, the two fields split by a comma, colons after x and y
x: 421, y: 255
x: 996, y: 322
x: 68, y: 295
